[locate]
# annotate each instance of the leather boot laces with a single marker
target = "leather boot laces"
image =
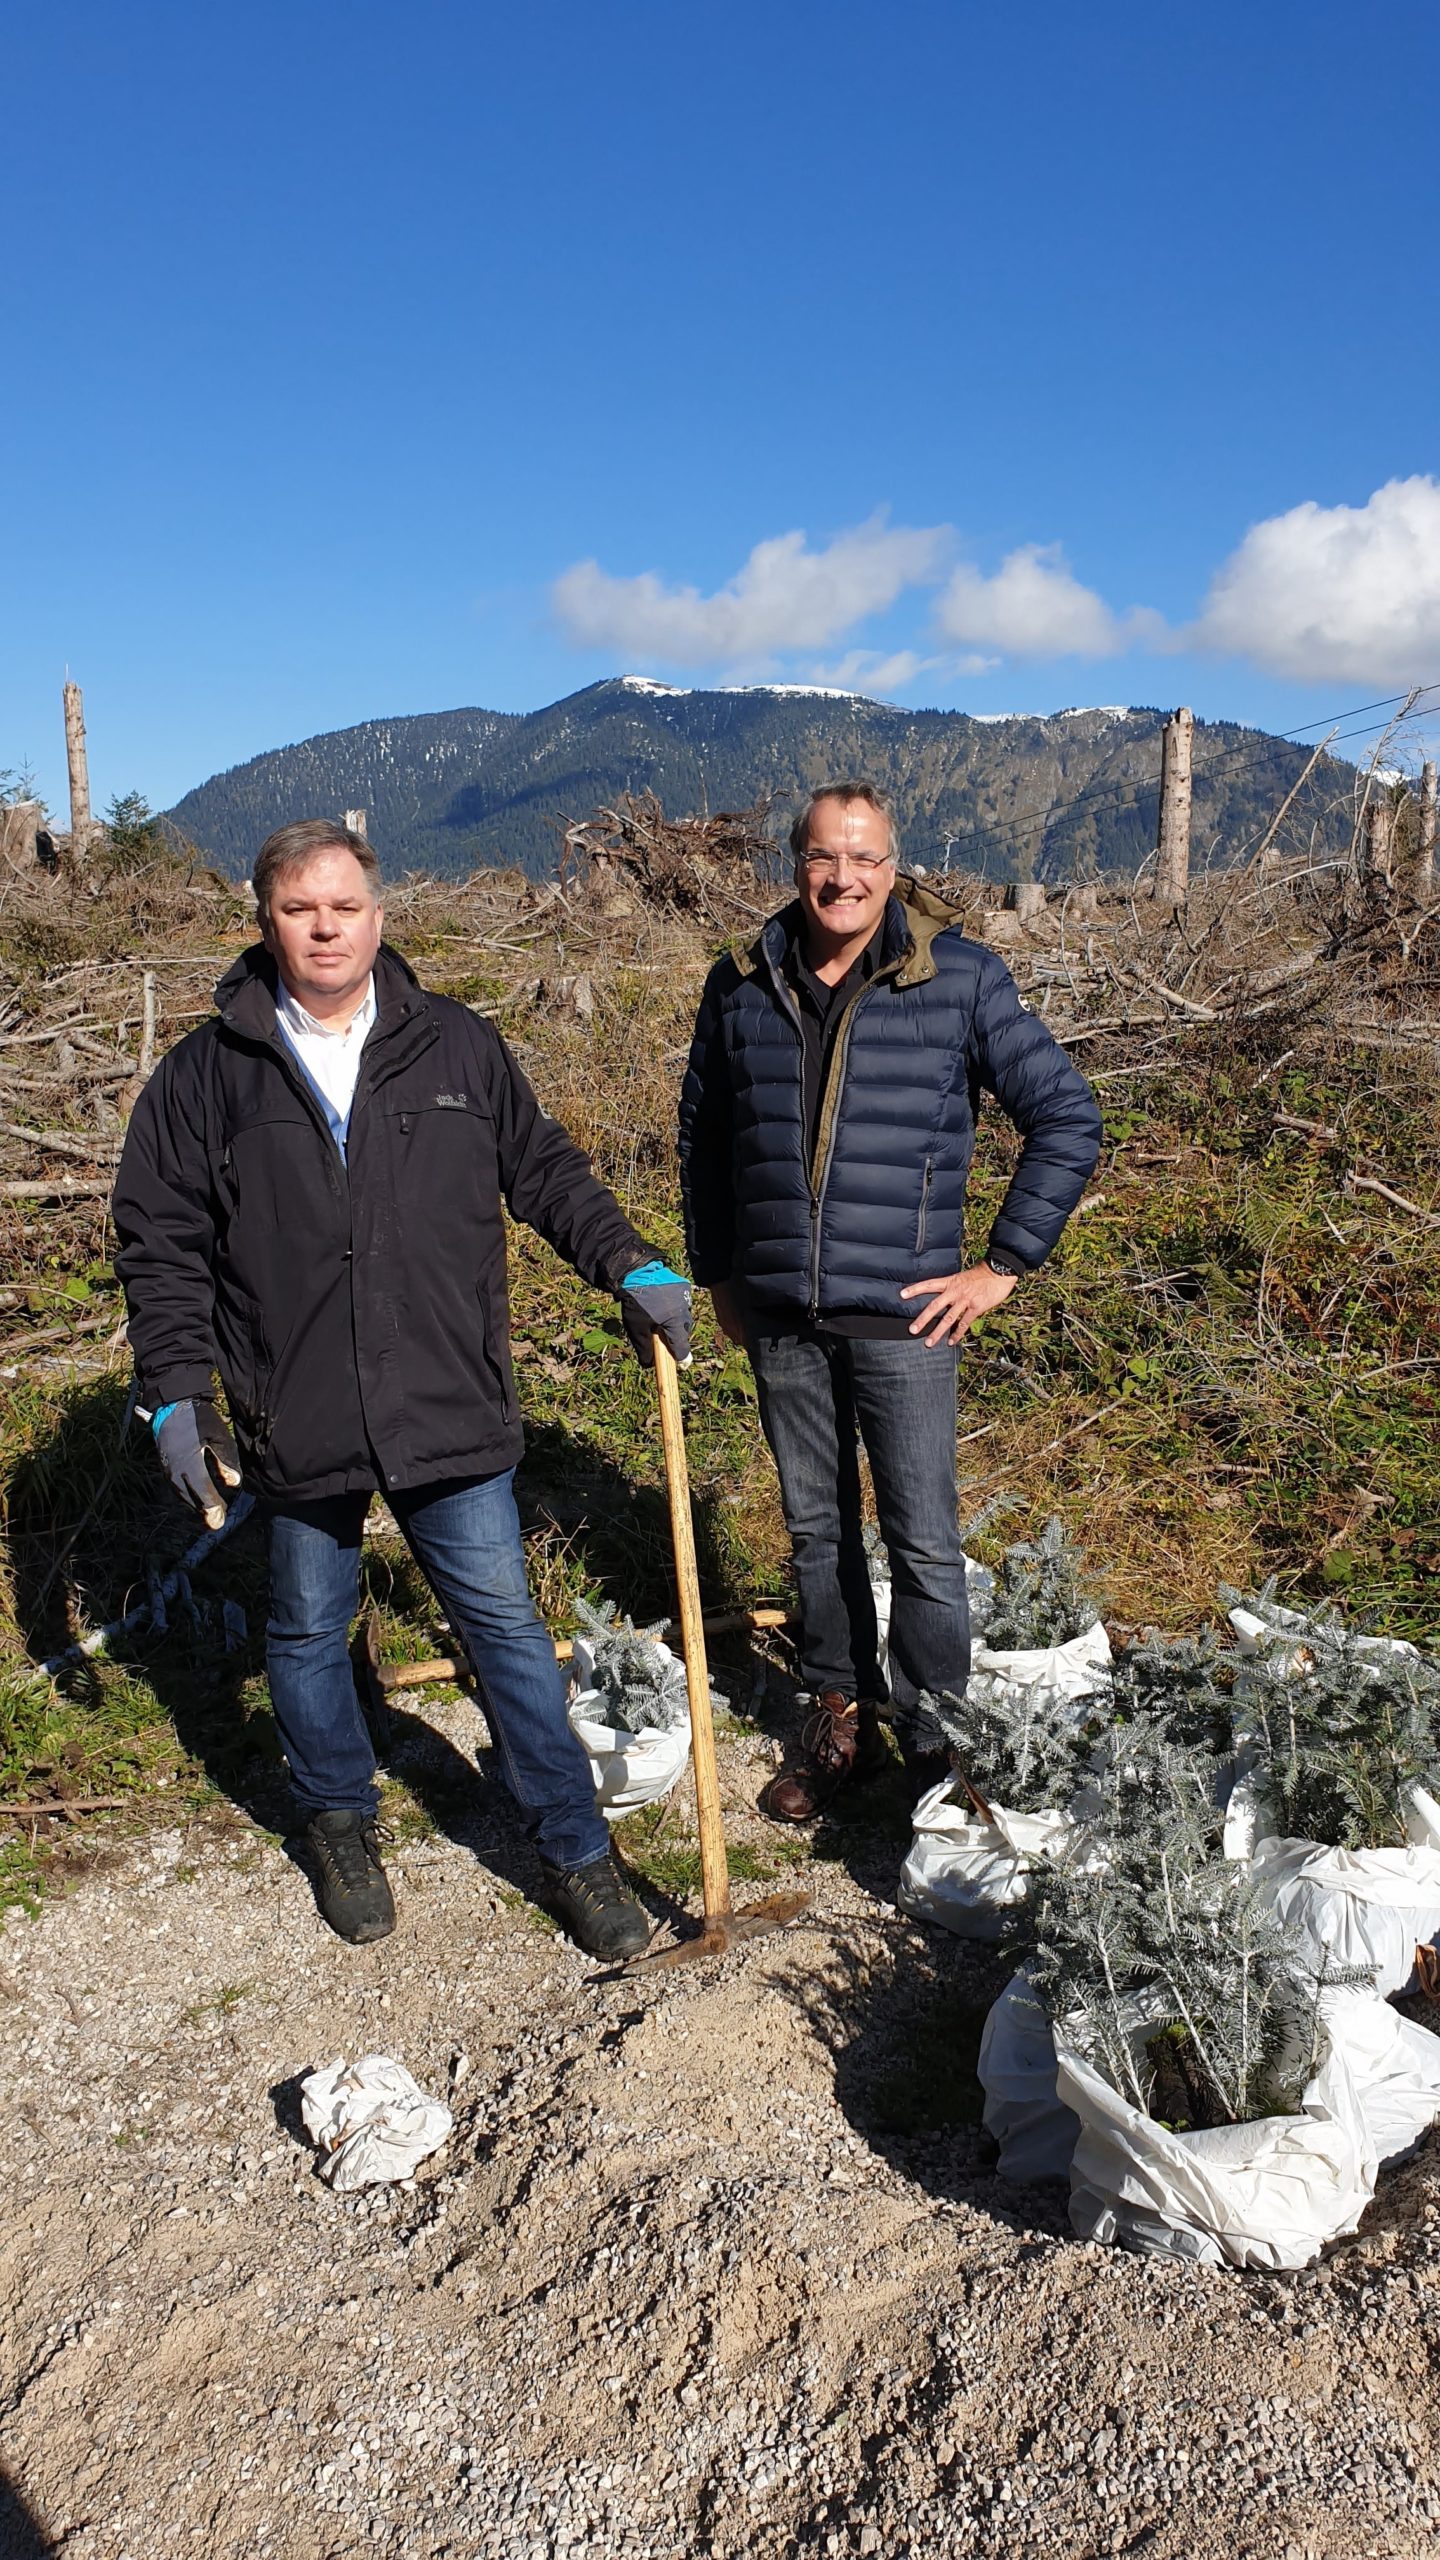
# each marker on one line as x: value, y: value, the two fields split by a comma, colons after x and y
x: 351, y: 1855
x: 832, y: 1736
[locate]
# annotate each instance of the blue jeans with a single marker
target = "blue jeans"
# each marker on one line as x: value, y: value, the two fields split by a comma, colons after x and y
x: 820, y: 1395
x: 466, y: 1539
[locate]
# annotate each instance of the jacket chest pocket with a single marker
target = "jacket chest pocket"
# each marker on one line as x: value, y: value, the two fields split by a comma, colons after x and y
x: 278, y: 1171
x: 442, y: 1156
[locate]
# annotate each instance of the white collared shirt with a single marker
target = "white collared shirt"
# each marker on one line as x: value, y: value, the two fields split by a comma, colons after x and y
x: 330, y: 1057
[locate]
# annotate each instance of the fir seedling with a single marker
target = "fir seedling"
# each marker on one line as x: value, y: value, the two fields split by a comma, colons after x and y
x: 1184, y: 1680
x: 1174, y: 1980
x: 1344, y: 1733
x: 1039, y: 1597
x: 637, y: 1689
x: 1020, y: 1747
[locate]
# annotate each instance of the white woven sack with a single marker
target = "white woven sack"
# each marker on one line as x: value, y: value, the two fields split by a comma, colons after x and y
x: 1075, y: 1672
x: 629, y: 1769
x: 1361, y: 1906
x: 966, y: 1873
x: 1036, y: 2134
x: 1269, y: 2194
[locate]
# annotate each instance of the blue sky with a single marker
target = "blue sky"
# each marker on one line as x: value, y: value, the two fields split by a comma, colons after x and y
x: 373, y: 360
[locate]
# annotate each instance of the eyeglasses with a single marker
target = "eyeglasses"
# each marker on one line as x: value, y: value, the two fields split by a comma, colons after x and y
x: 864, y: 863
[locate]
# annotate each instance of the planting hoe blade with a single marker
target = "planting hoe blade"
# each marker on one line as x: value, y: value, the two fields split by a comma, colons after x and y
x: 723, y: 1927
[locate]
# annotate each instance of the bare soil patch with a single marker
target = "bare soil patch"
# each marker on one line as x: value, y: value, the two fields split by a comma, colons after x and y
x: 714, y: 2263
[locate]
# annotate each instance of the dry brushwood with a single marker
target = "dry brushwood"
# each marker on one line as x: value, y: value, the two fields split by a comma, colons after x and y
x: 631, y: 858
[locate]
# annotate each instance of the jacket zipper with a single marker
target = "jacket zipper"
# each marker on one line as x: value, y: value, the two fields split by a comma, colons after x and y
x: 829, y: 1114
x: 924, y: 1204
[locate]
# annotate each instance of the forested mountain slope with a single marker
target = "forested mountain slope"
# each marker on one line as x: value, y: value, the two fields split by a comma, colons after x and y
x: 1054, y: 795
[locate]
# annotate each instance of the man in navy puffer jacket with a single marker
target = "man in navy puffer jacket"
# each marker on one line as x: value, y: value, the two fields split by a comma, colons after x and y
x: 827, y: 1123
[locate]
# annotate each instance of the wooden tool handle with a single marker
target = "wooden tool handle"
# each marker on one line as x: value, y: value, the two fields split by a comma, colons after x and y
x: 714, y: 1872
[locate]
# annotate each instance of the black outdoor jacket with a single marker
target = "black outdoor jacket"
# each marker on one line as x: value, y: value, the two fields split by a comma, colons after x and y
x: 357, y: 1312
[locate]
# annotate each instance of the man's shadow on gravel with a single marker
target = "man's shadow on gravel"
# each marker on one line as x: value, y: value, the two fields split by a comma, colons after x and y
x: 92, y: 1523
x: 903, y: 2026
x: 21, y: 2537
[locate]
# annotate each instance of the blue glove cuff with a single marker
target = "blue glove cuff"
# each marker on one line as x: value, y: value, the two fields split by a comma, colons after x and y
x: 162, y: 1415
x: 652, y: 1275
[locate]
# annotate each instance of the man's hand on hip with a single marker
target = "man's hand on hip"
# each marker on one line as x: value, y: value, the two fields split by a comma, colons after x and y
x: 654, y: 1300
x: 198, y: 1455
x: 955, y: 1302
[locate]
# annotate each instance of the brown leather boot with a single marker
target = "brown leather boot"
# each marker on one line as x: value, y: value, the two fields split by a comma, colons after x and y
x: 842, y: 1745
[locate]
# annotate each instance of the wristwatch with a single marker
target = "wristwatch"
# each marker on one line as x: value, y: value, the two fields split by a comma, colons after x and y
x: 1005, y: 1264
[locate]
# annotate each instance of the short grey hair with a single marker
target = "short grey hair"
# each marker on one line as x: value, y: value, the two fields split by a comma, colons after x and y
x: 292, y: 848
x: 872, y: 795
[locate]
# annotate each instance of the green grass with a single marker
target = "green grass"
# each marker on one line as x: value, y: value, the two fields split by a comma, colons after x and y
x: 1231, y: 1369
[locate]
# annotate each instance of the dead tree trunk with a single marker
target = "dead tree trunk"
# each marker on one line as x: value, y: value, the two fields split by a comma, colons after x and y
x: 1172, y: 838
x: 19, y: 829
x: 355, y: 821
x: 79, y: 772
x: 1425, y: 848
x: 1027, y: 897
x: 1379, y: 832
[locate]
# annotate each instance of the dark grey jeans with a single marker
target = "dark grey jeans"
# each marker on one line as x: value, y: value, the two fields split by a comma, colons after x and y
x: 820, y: 1396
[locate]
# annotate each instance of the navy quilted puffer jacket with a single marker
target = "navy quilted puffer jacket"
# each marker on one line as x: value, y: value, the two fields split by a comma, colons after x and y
x: 883, y: 1202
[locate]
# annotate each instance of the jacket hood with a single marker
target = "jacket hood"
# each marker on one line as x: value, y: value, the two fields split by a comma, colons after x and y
x: 913, y: 917
x: 245, y: 996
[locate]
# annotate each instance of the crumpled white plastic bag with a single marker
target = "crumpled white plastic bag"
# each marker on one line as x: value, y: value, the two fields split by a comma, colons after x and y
x: 1076, y: 1671
x: 1268, y: 2194
x: 1036, y: 2134
x: 372, y: 2122
x: 629, y: 1769
x: 966, y: 1873
x: 1360, y: 1906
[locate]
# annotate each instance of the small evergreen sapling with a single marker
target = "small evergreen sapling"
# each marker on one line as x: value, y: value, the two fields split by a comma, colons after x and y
x: 1184, y: 1680
x: 638, y: 1688
x: 1163, y: 1966
x: 1020, y: 1748
x: 1344, y: 1730
x: 1039, y: 1598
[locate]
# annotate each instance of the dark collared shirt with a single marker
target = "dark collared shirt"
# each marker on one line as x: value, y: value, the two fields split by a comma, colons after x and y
x: 822, y: 1009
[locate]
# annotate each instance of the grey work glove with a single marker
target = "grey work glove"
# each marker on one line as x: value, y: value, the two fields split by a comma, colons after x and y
x: 654, y: 1300
x: 198, y: 1455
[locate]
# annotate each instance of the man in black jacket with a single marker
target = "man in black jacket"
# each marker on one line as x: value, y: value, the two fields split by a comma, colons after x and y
x: 827, y: 1122
x: 309, y: 1200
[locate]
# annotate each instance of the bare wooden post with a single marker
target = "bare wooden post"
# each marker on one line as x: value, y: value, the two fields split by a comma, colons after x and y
x: 1425, y: 849
x: 355, y: 821
x: 1028, y: 900
x: 79, y: 771
x: 19, y: 828
x: 1172, y: 839
x: 146, y: 1064
x: 1379, y: 828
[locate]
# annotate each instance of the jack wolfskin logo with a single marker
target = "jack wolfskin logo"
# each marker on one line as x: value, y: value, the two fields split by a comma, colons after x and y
x: 450, y: 1101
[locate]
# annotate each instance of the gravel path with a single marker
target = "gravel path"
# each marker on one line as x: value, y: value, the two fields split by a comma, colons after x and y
x: 672, y: 2288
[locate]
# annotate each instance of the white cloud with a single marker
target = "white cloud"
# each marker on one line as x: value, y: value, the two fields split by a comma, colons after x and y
x: 874, y: 671
x: 785, y: 597
x: 1035, y: 607
x: 1343, y: 594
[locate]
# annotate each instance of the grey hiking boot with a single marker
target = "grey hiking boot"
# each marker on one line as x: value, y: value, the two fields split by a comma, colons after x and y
x: 594, y: 1908
x: 350, y: 1882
